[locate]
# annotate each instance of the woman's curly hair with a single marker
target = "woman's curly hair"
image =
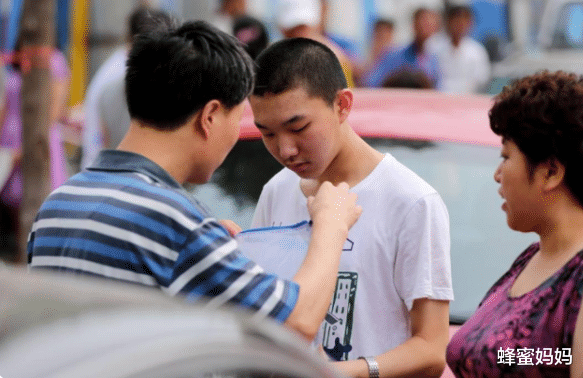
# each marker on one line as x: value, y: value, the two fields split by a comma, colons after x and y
x: 543, y: 115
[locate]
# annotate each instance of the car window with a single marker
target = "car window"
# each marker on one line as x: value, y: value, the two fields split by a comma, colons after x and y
x: 482, y: 245
x: 236, y: 185
x: 568, y: 32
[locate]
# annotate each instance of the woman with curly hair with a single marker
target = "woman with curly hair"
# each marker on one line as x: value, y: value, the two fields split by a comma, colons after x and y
x: 528, y: 324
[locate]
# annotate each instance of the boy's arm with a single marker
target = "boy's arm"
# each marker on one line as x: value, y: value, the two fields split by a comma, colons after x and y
x: 421, y: 355
x: 423, y: 247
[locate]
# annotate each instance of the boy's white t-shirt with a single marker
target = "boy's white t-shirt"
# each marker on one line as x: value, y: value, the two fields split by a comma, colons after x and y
x: 397, y: 251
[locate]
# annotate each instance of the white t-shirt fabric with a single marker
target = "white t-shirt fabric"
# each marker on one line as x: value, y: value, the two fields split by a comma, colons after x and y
x: 465, y: 69
x: 398, y: 251
x: 113, y: 68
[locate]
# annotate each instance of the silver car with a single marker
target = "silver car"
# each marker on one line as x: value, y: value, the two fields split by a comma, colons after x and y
x: 54, y: 326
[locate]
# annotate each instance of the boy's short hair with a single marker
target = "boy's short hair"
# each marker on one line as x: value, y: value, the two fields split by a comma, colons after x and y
x: 543, y: 115
x: 172, y: 74
x: 295, y: 62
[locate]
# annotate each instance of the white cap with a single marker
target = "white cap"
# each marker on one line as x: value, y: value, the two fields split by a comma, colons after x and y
x: 292, y: 13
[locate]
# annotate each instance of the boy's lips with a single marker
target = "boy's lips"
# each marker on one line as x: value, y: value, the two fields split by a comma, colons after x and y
x: 298, y: 167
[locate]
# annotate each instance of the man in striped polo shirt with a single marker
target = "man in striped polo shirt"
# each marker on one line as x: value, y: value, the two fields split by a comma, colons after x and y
x: 128, y: 217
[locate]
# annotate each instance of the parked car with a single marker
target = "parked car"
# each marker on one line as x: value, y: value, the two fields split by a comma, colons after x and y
x: 446, y: 139
x: 54, y: 326
x: 547, y: 34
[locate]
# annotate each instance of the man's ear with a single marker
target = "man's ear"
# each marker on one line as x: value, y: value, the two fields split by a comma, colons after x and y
x: 344, y: 100
x: 208, y: 118
x: 553, y: 172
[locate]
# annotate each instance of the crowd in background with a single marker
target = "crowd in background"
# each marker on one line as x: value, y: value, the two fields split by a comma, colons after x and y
x: 440, y: 56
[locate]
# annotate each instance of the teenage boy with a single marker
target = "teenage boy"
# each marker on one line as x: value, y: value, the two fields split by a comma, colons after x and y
x: 392, y: 298
x: 128, y: 217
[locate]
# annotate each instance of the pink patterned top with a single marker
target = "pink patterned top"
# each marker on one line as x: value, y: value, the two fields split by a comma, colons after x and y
x: 11, y: 133
x: 526, y: 336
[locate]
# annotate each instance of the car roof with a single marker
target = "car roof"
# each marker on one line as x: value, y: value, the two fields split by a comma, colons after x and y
x: 412, y: 114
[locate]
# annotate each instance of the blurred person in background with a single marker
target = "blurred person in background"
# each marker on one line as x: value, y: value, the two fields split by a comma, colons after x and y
x: 408, y: 79
x: 463, y: 61
x: 413, y: 57
x: 530, y: 323
x: 129, y: 218
x: 302, y: 19
x: 252, y: 33
x: 394, y: 281
x: 228, y: 11
x: 11, y: 128
x: 106, y: 117
x: 381, y: 43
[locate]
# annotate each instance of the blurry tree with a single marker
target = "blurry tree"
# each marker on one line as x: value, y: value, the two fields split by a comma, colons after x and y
x: 38, y: 34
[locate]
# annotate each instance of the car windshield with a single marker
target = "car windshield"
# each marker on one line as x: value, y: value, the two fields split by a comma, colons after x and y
x: 482, y: 245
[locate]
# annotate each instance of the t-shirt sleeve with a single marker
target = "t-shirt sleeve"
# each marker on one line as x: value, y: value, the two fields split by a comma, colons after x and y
x: 423, y: 263
x: 211, y: 265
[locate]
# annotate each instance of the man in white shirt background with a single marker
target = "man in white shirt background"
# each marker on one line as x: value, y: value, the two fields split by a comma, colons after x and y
x: 463, y: 61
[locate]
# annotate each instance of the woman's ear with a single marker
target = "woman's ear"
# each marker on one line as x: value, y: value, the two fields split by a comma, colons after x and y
x: 208, y: 118
x: 553, y: 172
x: 344, y: 101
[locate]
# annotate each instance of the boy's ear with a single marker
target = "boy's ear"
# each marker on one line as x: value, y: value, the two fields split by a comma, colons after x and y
x: 344, y: 101
x: 208, y: 118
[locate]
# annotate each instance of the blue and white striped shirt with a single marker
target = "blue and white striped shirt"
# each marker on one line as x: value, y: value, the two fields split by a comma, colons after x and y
x: 126, y: 218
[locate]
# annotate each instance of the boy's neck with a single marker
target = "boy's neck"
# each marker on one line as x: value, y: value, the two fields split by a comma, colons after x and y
x: 355, y: 161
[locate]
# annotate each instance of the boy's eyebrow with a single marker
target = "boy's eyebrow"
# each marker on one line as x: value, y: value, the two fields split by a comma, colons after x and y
x: 293, y: 119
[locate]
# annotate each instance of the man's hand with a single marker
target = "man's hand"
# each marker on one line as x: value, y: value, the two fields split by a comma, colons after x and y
x: 334, y: 204
x: 232, y: 227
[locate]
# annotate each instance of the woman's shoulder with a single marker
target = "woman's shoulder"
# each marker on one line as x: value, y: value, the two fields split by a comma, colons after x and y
x: 514, y: 269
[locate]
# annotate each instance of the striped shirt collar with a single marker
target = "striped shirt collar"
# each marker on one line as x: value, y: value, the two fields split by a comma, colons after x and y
x: 125, y: 161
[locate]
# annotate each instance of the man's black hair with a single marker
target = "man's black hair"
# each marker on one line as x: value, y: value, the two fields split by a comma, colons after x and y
x: 171, y: 75
x: 295, y: 62
x: 144, y: 20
